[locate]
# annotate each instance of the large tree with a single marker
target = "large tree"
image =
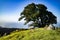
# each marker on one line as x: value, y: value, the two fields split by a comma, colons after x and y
x: 39, y: 14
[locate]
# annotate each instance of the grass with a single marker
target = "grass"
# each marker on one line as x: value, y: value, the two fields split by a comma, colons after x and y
x: 33, y: 34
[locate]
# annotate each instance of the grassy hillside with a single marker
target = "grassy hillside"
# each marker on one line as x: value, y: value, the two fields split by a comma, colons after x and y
x: 33, y: 34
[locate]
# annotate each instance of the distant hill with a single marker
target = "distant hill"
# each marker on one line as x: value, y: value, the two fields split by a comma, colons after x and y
x: 33, y: 34
x: 8, y: 30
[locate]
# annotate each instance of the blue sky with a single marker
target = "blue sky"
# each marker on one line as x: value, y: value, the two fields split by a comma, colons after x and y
x: 10, y: 9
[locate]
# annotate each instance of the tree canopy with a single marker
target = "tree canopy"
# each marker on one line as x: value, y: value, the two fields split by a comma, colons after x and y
x: 39, y: 14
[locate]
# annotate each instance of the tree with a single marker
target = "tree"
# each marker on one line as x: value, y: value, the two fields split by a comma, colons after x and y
x: 39, y: 14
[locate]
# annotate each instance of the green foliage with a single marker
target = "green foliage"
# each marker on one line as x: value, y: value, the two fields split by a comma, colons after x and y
x: 33, y: 34
x: 39, y: 14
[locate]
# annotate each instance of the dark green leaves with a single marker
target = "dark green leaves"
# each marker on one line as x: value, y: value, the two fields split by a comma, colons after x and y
x: 20, y: 18
x: 36, y: 12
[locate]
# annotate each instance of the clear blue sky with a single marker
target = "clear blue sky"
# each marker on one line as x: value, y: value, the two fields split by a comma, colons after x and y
x: 10, y: 9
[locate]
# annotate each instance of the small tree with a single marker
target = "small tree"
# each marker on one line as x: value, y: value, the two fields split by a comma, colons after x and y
x: 39, y: 14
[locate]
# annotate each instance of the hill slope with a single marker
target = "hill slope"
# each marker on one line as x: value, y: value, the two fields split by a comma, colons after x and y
x: 33, y: 34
